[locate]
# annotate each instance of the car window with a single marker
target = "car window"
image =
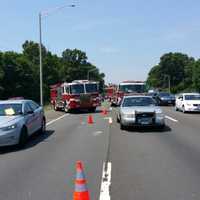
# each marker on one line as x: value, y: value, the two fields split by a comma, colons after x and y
x: 27, y: 108
x: 10, y: 109
x: 33, y: 105
x: 138, y: 101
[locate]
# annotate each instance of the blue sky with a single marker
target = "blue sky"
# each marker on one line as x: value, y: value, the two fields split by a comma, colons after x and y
x: 122, y: 38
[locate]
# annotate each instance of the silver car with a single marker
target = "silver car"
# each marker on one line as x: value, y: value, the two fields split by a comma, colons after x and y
x: 18, y: 120
x: 140, y: 111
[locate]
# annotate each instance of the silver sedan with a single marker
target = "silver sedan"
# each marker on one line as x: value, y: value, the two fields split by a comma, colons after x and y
x: 140, y: 111
x: 18, y: 120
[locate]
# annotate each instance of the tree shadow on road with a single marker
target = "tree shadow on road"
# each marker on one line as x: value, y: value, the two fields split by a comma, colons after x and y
x: 34, y: 140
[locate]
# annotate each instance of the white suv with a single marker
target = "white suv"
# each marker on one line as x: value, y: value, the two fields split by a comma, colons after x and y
x: 188, y: 102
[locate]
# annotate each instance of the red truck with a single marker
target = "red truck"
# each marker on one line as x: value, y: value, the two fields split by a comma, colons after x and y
x: 128, y: 88
x: 77, y: 95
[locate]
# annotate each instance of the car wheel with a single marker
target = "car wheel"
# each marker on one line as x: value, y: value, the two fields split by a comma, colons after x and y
x: 23, y: 137
x: 183, y: 109
x: 176, y: 109
x: 66, y: 109
x: 122, y: 127
x: 55, y: 107
x: 118, y: 120
x: 43, y: 127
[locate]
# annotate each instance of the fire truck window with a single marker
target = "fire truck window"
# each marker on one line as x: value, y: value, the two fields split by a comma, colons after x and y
x: 67, y: 89
x: 63, y: 90
x: 77, y: 89
x: 91, y: 88
x: 132, y: 88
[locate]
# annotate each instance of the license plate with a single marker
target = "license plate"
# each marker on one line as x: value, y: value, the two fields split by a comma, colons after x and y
x: 145, y: 121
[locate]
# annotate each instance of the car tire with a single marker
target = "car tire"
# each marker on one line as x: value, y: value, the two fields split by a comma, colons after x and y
x: 176, y: 109
x: 43, y: 127
x: 55, y: 107
x: 23, y: 137
x: 66, y: 109
x: 118, y: 120
x: 122, y: 127
x: 183, y: 109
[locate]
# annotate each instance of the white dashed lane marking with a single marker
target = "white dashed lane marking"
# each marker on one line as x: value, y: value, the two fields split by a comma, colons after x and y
x: 54, y: 120
x: 106, y: 182
x: 171, y: 118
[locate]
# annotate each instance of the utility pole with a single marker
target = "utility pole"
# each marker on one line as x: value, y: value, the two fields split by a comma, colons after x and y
x: 40, y: 51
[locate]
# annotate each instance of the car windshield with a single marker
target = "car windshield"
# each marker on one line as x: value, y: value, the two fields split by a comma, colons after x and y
x: 91, y: 88
x: 10, y: 109
x: 138, y: 101
x: 192, y: 97
x: 132, y: 88
x: 77, y: 89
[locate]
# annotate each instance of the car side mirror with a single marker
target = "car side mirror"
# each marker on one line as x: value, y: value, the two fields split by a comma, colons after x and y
x: 30, y: 112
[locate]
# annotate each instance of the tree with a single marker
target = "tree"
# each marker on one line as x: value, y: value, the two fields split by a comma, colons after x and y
x: 176, y: 66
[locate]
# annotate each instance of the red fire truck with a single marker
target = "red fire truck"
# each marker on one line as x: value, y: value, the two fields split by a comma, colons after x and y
x: 128, y: 88
x: 110, y: 92
x: 80, y: 94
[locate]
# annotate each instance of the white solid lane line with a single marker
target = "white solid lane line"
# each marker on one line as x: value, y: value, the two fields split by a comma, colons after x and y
x: 106, y: 182
x: 54, y: 120
x: 171, y: 118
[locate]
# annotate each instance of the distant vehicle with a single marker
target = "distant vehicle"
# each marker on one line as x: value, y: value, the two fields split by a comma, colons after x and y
x: 18, y: 120
x: 140, y: 111
x: 80, y: 94
x: 110, y: 92
x: 128, y: 88
x: 188, y: 102
x: 165, y: 98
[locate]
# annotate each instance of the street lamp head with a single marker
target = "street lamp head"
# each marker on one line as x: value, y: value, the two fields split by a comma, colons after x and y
x: 73, y: 5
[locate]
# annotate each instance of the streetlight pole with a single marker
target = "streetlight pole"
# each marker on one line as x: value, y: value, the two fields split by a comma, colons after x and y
x: 41, y: 14
x: 169, y: 82
x: 88, y: 74
x: 40, y: 51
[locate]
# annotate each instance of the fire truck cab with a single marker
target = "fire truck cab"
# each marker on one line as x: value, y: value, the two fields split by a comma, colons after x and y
x: 80, y: 94
x: 128, y: 88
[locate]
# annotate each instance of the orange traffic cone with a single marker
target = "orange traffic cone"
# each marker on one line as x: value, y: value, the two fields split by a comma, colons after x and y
x: 90, y: 119
x: 81, y: 192
x: 104, y: 112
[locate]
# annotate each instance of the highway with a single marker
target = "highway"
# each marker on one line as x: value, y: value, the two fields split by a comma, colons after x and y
x: 144, y: 164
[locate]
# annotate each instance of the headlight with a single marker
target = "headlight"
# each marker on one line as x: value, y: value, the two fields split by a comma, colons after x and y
x: 129, y: 116
x: 8, y: 128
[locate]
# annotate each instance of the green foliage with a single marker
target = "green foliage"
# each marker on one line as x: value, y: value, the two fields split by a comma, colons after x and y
x: 19, y: 72
x: 180, y: 68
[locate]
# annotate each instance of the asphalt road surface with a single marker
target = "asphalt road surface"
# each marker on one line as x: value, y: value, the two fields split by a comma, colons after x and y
x: 142, y: 164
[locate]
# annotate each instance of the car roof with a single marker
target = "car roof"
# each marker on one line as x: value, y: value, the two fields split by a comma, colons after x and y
x: 131, y: 96
x: 191, y: 93
x: 14, y: 101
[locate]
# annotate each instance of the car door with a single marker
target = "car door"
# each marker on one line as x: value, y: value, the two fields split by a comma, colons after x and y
x: 38, y: 115
x: 180, y: 101
x: 29, y: 118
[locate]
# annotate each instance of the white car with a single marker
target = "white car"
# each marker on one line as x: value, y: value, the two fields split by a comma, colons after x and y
x: 188, y: 102
x: 18, y: 120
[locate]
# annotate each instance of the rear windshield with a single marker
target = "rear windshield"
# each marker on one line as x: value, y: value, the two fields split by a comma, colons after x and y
x: 10, y: 109
x: 164, y: 94
x: 192, y: 97
x: 138, y: 101
x: 91, y: 88
x: 77, y: 89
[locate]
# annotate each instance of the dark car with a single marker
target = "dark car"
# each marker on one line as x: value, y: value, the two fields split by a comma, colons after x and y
x: 165, y: 99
